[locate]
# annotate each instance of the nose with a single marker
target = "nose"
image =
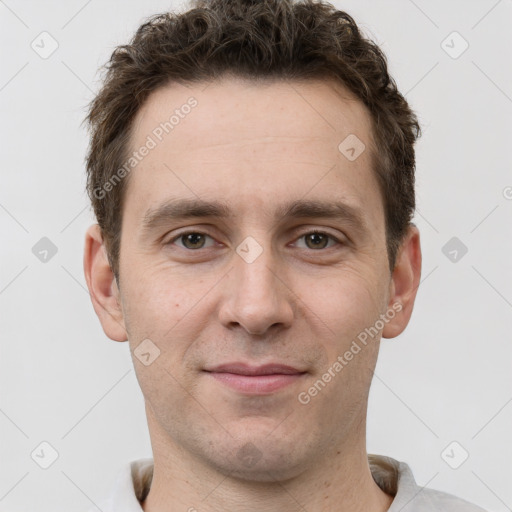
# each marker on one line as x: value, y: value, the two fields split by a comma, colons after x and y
x: 256, y: 297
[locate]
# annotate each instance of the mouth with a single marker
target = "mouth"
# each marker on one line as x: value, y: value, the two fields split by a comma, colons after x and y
x: 255, y: 380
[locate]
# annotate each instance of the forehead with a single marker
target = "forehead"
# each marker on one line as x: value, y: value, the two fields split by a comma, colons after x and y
x: 251, y: 144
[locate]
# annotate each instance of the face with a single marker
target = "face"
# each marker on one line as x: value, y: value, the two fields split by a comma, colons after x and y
x: 253, y: 257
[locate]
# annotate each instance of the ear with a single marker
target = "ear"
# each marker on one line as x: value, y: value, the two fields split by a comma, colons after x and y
x: 404, y: 283
x: 102, y: 285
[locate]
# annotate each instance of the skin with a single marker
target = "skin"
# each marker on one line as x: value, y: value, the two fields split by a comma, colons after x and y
x: 255, y: 147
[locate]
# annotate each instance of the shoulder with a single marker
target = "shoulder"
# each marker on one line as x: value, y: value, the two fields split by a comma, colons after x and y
x: 130, y: 487
x: 396, y: 478
x: 438, y: 500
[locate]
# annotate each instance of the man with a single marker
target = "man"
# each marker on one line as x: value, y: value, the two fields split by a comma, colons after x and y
x: 252, y: 171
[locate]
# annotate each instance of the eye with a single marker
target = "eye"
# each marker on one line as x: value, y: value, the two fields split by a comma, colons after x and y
x: 318, y: 240
x: 192, y: 240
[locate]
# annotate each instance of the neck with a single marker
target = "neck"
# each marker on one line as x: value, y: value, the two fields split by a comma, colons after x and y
x: 341, y: 482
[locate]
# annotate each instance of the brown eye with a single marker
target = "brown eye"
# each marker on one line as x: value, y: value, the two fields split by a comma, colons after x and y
x: 318, y: 240
x: 192, y: 240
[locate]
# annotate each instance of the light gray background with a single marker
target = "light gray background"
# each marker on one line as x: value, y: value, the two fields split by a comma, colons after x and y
x: 447, y: 378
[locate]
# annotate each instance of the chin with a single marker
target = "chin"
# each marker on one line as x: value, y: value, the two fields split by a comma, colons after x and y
x: 261, y: 459
x: 263, y: 471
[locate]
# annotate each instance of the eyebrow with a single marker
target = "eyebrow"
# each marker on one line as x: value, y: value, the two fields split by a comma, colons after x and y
x: 181, y: 209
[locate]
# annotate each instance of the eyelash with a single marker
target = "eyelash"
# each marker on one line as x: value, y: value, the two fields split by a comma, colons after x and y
x: 313, y: 232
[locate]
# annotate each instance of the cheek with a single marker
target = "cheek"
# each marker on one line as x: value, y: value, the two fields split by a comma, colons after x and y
x: 166, y: 308
x: 172, y: 310
x: 157, y: 299
x: 346, y: 303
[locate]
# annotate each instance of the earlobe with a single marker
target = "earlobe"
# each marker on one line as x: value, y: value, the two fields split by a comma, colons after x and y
x: 404, y: 283
x: 102, y: 285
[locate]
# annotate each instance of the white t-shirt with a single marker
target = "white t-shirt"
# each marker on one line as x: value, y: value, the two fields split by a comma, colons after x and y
x: 392, y: 476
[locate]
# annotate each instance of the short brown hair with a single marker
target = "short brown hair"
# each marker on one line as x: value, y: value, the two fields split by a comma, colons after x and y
x: 253, y: 39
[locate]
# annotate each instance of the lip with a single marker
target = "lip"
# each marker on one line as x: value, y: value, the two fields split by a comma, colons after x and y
x: 258, y: 380
x: 247, y: 369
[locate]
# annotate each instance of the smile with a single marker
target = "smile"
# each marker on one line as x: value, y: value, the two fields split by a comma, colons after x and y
x: 255, y: 380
